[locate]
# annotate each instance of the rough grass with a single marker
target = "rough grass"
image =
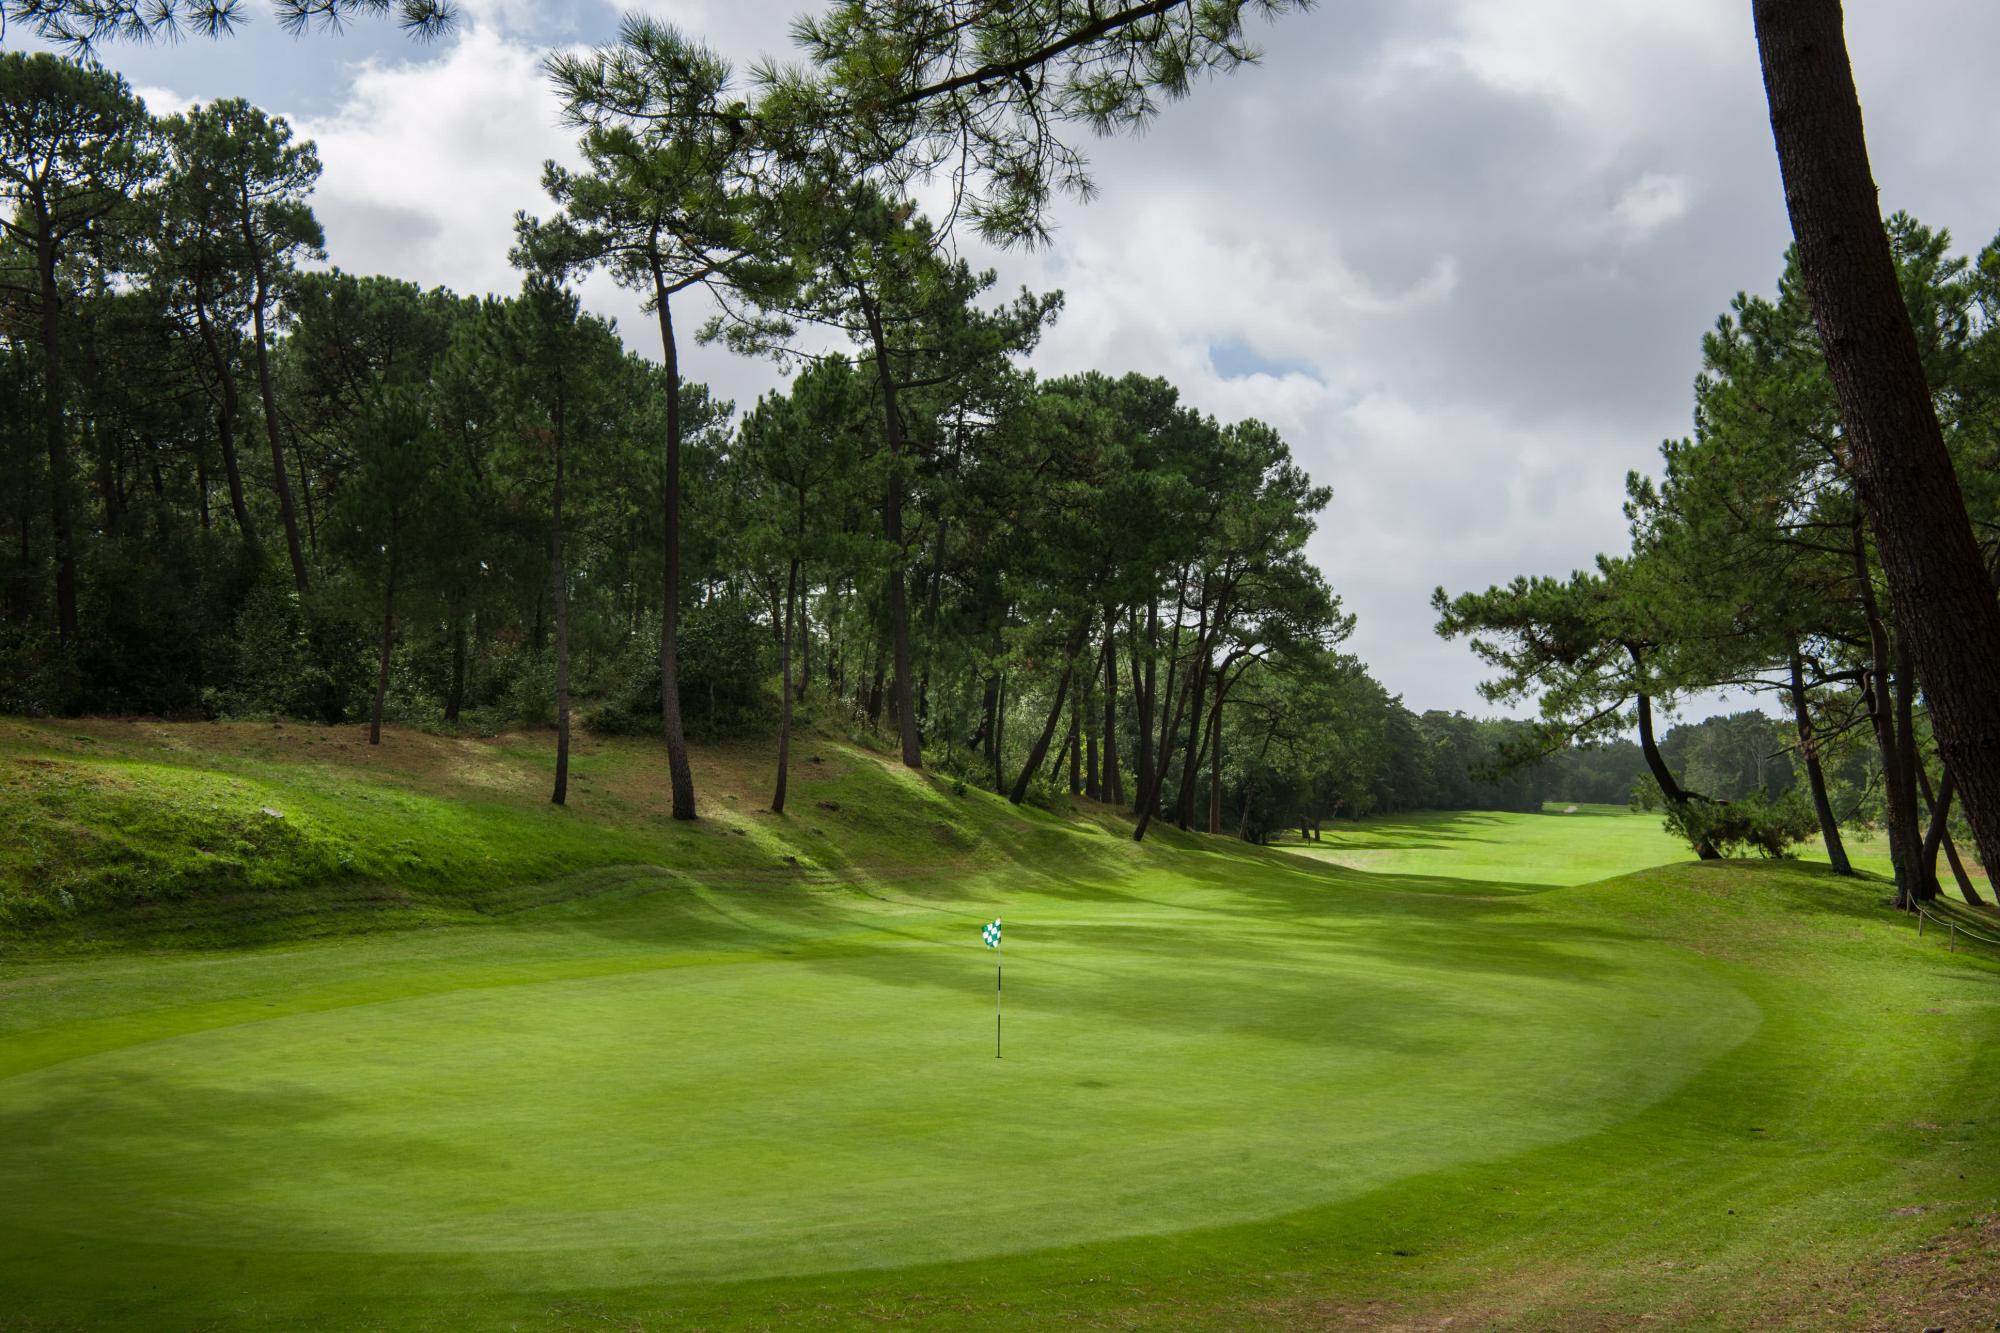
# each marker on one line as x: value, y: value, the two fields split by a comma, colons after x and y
x: 740, y: 1075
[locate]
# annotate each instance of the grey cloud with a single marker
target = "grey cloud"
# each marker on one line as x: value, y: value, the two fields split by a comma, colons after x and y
x: 1422, y: 226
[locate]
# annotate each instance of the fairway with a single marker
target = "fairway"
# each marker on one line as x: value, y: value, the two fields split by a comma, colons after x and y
x: 1561, y: 845
x: 1221, y: 1061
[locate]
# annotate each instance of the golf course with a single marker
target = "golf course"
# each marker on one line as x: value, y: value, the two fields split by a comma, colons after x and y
x: 380, y: 1038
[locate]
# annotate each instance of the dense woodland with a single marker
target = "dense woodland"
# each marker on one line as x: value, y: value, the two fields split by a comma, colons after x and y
x: 238, y: 483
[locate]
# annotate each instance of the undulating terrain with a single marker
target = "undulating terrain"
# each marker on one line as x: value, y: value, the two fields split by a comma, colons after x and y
x: 294, y: 1033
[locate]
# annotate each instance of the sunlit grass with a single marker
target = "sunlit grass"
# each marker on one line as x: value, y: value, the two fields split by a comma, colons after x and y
x: 637, y: 1074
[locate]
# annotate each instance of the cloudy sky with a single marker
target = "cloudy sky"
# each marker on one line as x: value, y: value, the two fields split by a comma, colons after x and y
x: 1460, y: 251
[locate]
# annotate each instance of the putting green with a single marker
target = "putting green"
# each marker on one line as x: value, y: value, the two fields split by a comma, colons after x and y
x: 1235, y: 1081
x: 1177, y: 1061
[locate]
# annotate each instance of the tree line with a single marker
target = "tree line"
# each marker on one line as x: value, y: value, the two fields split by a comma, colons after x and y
x: 1755, y: 565
x: 238, y: 482
x: 985, y: 94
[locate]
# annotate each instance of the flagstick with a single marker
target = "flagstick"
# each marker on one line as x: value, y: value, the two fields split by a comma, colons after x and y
x: 996, y: 1009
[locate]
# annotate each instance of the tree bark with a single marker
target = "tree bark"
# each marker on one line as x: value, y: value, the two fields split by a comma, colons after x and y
x: 1076, y: 743
x: 559, y: 590
x: 989, y: 706
x: 785, y: 690
x: 999, y: 731
x: 1965, y: 885
x: 1061, y: 754
x: 1670, y: 788
x: 680, y: 775
x: 1144, y: 697
x: 1829, y: 826
x: 227, y: 413
x: 1908, y: 768
x: 1934, y: 836
x: 388, y: 644
x: 892, y: 530
x: 454, y: 699
x: 1215, y: 767
x: 1113, y: 781
x: 1896, y: 453
x: 1898, y: 784
x: 1154, y: 780
x: 1041, y: 746
x: 54, y: 428
x: 805, y: 637
x: 1093, y: 786
x: 1040, y: 750
x: 280, y: 478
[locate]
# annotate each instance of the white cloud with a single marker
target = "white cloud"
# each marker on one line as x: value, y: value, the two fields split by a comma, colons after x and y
x: 1476, y: 242
x: 427, y: 161
x: 163, y: 101
x: 1648, y: 204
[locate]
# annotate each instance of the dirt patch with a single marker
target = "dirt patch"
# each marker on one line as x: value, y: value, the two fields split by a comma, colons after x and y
x: 1951, y: 1281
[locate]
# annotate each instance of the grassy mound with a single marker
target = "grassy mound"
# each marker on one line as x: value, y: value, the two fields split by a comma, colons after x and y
x: 742, y: 1074
x: 151, y: 834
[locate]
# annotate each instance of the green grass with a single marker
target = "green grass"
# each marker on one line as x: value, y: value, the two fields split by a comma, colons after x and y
x: 1594, y: 842
x: 627, y: 1074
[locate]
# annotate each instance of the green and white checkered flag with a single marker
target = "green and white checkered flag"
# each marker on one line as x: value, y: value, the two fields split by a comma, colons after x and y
x: 990, y: 932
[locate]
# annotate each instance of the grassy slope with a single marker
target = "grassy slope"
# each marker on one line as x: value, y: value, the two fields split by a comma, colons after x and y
x: 1479, y: 844
x: 668, y: 1074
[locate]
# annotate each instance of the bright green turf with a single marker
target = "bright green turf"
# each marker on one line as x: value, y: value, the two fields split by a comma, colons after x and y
x: 1238, y: 1084
x: 1594, y: 842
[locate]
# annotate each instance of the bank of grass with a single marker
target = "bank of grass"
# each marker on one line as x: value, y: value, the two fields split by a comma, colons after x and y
x: 741, y: 1074
x: 1561, y: 844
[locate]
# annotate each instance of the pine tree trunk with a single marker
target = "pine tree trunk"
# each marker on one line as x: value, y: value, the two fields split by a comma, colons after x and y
x: 1934, y: 836
x: 1153, y: 782
x: 306, y: 498
x: 1670, y: 787
x: 200, y: 482
x: 1829, y: 826
x: 892, y: 531
x: 1196, y: 739
x: 680, y: 774
x: 805, y: 637
x: 280, y: 478
x: 559, y: 590
x: 1896, y: 453
x: 1040, y: 750
x: 1965, y: 886
x: 1898, y: 795
x: 785, y: 690
x: 1215, y: 768
x: 227, y: 413
x: 388, y: 644
x: 1076, y: 743
x: 1060, y: 756
x: 55, y: 428
x: 1144, y: 697
x: 1922, y: 885
x: 1113, y: 782
x: 1000, y: 733
x: 989, y: 707
x: 454, y: 699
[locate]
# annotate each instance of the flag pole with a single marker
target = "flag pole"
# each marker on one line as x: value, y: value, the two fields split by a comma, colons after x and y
x: 996, y: 1008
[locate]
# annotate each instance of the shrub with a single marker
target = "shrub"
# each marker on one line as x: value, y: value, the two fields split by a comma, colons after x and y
x: 287, y: 656
x: 1771, y: 828
x: 727, y: 661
